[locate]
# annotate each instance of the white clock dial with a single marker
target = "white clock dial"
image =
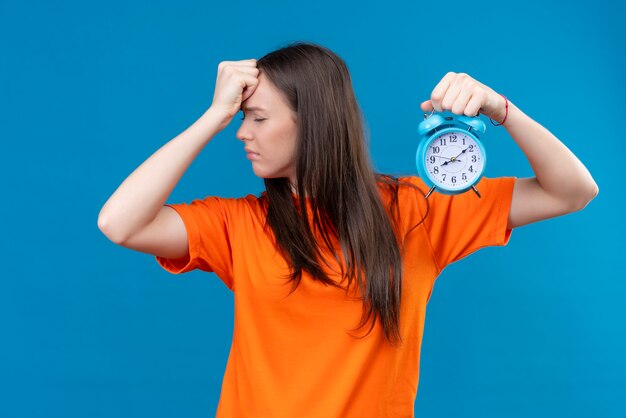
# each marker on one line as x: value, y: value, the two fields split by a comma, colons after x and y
x: 454, y: 160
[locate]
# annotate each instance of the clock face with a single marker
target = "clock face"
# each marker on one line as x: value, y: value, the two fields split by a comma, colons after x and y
x: 454, y: 160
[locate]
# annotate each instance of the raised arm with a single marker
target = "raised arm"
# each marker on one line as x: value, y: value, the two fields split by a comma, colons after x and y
x: 139, y: 201
x: 562, y: 184
x: 135, y: 216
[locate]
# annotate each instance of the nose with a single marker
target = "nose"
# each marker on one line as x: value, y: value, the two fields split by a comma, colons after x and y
x: 243, y: 133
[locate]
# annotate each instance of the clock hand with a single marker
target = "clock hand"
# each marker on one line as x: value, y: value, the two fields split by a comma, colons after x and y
x: 446, y: 158
x: 455, y: 158
x: 451, y: 161
x: 462, y: 152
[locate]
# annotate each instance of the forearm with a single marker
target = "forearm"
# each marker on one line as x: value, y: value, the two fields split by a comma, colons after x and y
x: 139, y: 198
x: 558, y: 171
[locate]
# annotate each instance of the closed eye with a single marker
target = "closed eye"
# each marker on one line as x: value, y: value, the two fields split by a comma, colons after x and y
x: 256, y: 120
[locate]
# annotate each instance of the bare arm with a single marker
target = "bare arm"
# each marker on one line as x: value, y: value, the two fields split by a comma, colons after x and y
x: 139, y: 198
x: 562, y: 184
x: 135, y: 216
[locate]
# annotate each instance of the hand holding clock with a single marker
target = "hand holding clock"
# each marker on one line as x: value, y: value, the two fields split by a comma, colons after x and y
x: 450, y: 137
x: 563, y: 186
x: 461, y: 94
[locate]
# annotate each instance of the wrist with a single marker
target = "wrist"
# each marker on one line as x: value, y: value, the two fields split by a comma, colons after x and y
x: 502, y: 117
x: 516, y: 117
x: 218, y: 116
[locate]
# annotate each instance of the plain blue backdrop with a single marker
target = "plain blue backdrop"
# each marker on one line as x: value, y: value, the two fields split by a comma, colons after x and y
x: 89, y: 90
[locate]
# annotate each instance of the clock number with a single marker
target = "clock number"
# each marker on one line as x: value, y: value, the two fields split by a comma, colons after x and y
x: 432, y: 160
x: 473, y: 158
x: 453, y: 138
x: 444, y: 177
x: 471, y: 169
x: 453, y: 179
x: 436, y: 170
x: 464, y: 176
x: 442, y: 141
x: 435, y: 150
x: 471, y: 148
x: 463, y: 141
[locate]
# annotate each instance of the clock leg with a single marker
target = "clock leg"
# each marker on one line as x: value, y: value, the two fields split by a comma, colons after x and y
x: 430, y: 191
x: 476, y: 190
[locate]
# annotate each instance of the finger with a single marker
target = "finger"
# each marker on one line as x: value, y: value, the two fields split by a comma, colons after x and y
x: 248, y: 70
x: 453, y: 92
x: 248, y: 78
x: 473, y: 106
x: 250, y: 86
x: 245, y: 63
x: 459, y: 105
x: 240, y: 73
x: 239, y: 61
x: 440, y: 89
x: 427, y: 106
x: 237, y: 64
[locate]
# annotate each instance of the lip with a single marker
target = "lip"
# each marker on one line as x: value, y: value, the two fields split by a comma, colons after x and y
x: 252, y: 155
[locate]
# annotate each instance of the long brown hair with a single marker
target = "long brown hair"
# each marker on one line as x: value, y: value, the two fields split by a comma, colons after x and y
x: 334, y: 171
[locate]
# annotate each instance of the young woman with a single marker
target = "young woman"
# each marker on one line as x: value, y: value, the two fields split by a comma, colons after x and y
x: 333, y: 264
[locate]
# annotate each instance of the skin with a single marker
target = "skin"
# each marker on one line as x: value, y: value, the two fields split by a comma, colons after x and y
x: 270, y: 132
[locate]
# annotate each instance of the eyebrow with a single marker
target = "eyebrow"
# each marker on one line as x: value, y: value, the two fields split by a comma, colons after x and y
x: 247, y: 108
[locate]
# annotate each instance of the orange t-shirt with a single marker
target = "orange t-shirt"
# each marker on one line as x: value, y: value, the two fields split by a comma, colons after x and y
x: 292, y: 356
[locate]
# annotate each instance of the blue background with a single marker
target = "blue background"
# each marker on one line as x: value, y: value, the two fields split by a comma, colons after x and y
x: 90, y: 90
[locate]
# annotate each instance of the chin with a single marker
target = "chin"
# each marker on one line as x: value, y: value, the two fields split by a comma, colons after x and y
x: 266, y: 175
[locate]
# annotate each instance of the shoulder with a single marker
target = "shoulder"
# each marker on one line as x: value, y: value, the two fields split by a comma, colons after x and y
x: 412, y: 190
x: 243, y: 205
x: 409, y: 188
x: 247, y: 201
x: 406, y: 181
x: 229, y: 208
x: 404, y: 197
x: 490, y: 184
x: 251, y: 207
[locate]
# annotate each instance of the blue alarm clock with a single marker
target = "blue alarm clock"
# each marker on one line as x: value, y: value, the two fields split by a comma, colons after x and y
x: 451, y: 158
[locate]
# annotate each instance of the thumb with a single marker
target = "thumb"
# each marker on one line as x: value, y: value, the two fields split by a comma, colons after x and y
x: 248, y: 90
x: 427, y: 106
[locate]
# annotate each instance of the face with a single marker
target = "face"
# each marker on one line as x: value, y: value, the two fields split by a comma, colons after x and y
x: 269, y: 130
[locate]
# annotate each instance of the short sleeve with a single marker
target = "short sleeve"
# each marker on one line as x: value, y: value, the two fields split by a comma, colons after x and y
x: 458, y: 225
x: 208, y: 223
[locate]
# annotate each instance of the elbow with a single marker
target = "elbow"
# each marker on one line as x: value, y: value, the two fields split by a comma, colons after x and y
x: 583, y: 199
x: 105, y: 227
